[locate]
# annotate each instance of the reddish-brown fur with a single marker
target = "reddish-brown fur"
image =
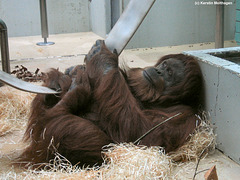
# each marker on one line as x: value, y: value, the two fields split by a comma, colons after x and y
x: 96, y: 108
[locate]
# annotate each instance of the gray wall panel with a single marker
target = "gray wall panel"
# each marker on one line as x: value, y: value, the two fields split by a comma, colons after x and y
x: 23, y: 17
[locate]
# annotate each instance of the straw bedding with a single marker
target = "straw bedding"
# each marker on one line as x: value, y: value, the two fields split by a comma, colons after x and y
x: 14, y: 109
x: 121, y: 161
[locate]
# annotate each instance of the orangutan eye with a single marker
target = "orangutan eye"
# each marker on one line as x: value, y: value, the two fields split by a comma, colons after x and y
x: 170, y: 72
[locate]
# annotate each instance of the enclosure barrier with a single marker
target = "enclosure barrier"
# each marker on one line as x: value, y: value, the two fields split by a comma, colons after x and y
x: 4, y: 47
x: 219, y: 37
x: 44, y: 24
x: 221, y: 78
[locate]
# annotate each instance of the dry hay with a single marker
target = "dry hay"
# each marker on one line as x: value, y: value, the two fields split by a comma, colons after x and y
x: 203, y: 139
x: 127, y: 161
x: 14, y: 109
x: 121, y: 161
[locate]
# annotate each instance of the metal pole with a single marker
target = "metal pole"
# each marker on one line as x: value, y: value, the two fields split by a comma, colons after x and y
x: 4, y: 47
x: 219, y: 33
x: 128, y: 24
x: 44, y: 23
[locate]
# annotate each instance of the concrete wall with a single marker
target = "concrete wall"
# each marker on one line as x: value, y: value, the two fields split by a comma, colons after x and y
x: 170, y: 22
x: 23, y: 17
x: 174, y: 22
x: 100, y: 17
x: 222, y: 97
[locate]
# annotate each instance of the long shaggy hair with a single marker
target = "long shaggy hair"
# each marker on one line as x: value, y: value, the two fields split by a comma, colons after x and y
x: 102, y: 104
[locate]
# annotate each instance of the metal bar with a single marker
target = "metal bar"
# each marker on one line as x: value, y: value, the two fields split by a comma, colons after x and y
x: 128, y: 24
x: 4, y: 47
x: 43, y: 15
x: 44, y: 24
x: 219, y: 33
x: 25, y: 86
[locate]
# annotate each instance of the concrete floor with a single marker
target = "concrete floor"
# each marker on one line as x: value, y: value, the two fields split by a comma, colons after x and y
x: 70, y: 49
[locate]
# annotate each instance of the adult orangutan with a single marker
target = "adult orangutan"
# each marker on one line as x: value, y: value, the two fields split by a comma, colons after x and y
x: 101, y: 103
